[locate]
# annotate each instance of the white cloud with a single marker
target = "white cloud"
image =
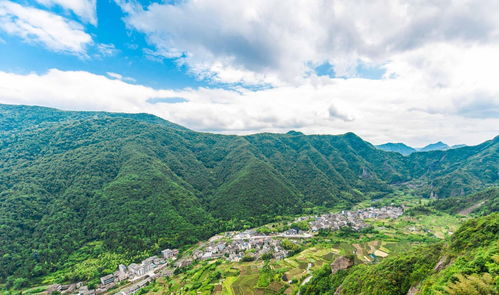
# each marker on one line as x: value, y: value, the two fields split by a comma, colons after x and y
x: 86, y: 10
x: 120, y: 77
x: 383, y: 110
x: 334, y: 112
x: 77, y: 90
x: 451, y: 80
x: 266, y: 41
x: 38, y: 26
x: 106, y: 49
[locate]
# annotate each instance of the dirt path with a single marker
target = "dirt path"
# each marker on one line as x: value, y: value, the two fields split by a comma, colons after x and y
x: 470, y: 209
x: 307, y: 279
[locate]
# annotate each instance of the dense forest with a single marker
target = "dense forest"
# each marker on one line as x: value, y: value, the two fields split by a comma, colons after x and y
x: 136, y: 183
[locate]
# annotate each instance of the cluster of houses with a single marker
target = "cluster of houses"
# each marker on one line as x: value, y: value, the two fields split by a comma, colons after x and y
x: 77, y: 288
x: 353, y: 219
x: 138, y: 274
x: 232, y: 246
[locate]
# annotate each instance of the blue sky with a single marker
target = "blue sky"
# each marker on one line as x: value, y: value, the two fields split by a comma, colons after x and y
x: 405, y: 71
x: 128, y: 59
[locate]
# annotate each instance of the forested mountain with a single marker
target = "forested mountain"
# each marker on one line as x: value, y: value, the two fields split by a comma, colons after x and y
x: 137, y: 182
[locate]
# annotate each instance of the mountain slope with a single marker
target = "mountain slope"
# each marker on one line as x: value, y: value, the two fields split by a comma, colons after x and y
x: 256, y: 190
x: 483, y: 203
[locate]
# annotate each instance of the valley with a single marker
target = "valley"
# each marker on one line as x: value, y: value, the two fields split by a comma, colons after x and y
x: 278, y: 257
x: 385, y: 237
x: 89, y: 200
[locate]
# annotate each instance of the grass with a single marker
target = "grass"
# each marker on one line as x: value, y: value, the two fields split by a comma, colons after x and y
x: 227, y: 286
x: 245, y: 284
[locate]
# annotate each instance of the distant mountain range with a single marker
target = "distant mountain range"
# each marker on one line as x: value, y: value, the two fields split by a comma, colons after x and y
x: 407, y: 150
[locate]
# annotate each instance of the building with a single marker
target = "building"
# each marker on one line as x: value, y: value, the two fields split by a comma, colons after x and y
x: 183, y: 263
x: 105, y: 280
x: 121, y: 274
x: 133, y: 269
x: 169, y: 253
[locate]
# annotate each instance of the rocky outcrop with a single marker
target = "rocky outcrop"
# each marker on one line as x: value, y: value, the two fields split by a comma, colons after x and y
x: 413, y: 290
x: 342, y: 262
x: 442, y: 263
x: 365, y: 173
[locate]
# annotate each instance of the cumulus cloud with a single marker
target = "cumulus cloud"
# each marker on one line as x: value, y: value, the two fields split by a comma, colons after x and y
x: 39, y: 26
x: 389, y: 109
x: 86, y: 10
x: 268, y: 41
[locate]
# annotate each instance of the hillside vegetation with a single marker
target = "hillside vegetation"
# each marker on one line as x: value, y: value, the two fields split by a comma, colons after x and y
x: 138, y: 183
x: 481, y: 203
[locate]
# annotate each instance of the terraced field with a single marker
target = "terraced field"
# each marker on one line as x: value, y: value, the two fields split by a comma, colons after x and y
x: 245, y: 284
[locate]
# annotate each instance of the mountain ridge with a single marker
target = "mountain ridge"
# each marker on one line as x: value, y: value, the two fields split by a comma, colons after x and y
x: 406, y: 150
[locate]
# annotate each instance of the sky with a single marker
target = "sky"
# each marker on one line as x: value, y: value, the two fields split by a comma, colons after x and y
x: 390, y: 71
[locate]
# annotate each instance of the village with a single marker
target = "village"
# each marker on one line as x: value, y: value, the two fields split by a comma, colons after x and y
x: 232, y: 246
x: 353, y: 219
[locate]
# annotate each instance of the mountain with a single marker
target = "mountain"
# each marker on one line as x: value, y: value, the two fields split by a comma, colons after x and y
x: 397, y: 147
x: 437, y: 146
x: 138, y: 183
x: 452, y: 172
x: 407, y: 150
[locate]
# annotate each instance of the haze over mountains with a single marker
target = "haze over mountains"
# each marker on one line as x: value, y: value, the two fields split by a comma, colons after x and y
x: 138, y: 182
